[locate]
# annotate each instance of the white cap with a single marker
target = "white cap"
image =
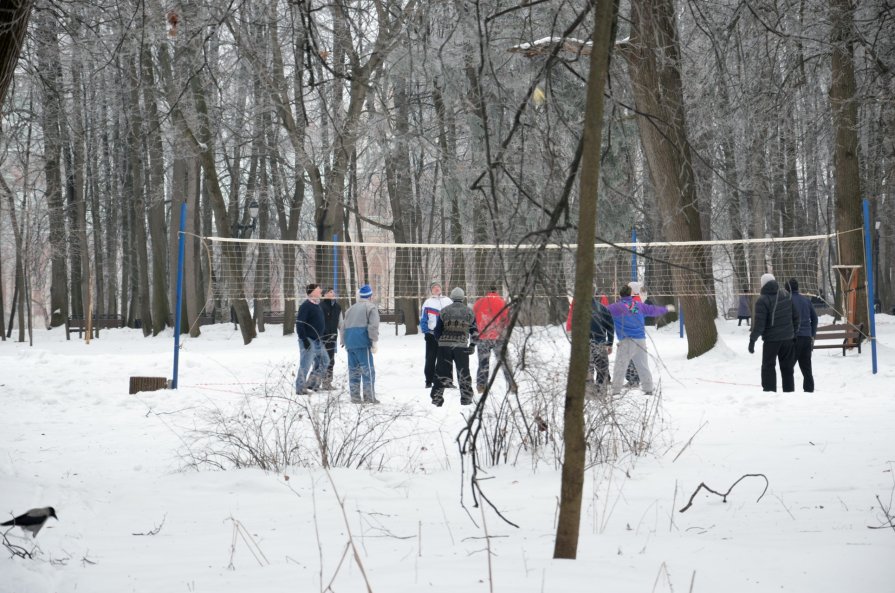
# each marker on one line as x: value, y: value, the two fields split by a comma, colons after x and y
x: 766, y: 278
x: 635, y: 287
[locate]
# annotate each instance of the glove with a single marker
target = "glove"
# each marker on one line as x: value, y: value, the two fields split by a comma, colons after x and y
x: 373, y: 348
x: 306, y: 343
x: 671, y: 308
x: 609, y: 349
x: 751, y: 346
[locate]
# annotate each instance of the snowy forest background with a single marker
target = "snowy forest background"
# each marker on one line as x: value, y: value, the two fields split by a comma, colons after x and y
x: 419, y: 122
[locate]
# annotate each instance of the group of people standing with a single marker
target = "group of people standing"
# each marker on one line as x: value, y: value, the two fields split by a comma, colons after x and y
x: 784, y: 319
x: 319, y: 325
x: 453, y: 331
x: 787, y: 324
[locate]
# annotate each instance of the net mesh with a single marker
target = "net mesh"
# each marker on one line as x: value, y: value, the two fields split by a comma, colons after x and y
x: 257, y: 269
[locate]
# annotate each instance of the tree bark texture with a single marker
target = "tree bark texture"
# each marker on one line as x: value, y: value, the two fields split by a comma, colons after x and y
x: 653, y: 56
x: 569, y: 523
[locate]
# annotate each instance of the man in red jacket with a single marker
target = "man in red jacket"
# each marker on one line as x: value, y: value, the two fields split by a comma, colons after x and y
x: 492, y: 319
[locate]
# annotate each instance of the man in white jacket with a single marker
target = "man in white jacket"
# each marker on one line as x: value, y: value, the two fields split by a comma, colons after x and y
x: 428, y: 320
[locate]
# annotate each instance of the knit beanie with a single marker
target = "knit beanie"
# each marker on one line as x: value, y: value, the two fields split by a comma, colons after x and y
x: 457, y: 294
x: 793, y: 285
x: 365, y: 291
x: 766, y: 278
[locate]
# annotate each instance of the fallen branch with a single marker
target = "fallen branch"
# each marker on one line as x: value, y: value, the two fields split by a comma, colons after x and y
x: 724, y: 495
x: 157, y: 528
x: 15, y: 549
x: 890, y: 520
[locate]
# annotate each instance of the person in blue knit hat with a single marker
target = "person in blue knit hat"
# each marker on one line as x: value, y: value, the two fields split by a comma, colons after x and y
x: 360, y: 333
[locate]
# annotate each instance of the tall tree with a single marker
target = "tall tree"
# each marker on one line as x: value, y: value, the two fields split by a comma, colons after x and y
x: 847, y: 174
x: 569, y: 522
x: 653, y: 55
x: 12, y: 33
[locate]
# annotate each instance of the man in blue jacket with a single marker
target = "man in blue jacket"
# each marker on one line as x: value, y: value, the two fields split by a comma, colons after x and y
x: 360, y: 333
x: 805, y: 334
x: 628, y: 316
x: 309, y: 327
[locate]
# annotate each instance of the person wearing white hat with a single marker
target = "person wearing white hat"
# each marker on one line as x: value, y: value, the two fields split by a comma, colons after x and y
x: 776, y: 321
x: 360, y: 333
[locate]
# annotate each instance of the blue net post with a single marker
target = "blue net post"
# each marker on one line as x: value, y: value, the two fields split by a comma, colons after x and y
x: 179, y: 307
x: 634, y: 255
x: 871, y: 286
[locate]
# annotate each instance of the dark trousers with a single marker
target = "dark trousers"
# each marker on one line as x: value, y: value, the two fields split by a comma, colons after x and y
x: 784, y: 352
x: 804, y: 345
x: 599, y: 364
x: 448, y: 357
x: 431, y: 357
x: 631, y: 374
x: 329, y: 340
x: 740, y: 321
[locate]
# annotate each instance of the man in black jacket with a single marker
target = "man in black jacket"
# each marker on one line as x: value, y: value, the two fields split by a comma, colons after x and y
x: 776, y: 320
x: 602, y: 332
x: 332, y: 314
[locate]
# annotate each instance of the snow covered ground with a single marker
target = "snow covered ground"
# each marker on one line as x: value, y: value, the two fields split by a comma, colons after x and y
x: 116, y: 469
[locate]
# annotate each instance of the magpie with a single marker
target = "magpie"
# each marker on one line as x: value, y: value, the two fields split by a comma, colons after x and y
x: 32, y: 520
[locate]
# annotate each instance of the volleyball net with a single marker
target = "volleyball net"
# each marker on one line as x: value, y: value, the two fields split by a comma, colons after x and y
x: 277, y: 271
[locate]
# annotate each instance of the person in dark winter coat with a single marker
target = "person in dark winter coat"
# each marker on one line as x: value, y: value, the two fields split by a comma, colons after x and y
x: 776, y: 322
x: 309, y: 327
x: 804, y: 335
x: 454, y: 330
x: 744, y: 311
x: 332, y: 315
x: 602, y: 333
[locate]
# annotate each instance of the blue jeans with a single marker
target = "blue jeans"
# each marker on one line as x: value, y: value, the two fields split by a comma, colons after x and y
x: 315, y: 357
x: 361, y: 370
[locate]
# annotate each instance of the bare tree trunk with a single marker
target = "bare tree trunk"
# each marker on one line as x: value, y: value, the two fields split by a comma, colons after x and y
x: 155, y: 198
x: 48, y: 62
x: 138, y: 203
x: 653, y: 55
x: 79, y: 185
x: 569, y: 522
x: 847, y: 174
x: 15, y: 14
x: 400, y: 196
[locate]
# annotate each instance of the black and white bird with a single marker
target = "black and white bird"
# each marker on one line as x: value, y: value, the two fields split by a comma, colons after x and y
x: 32, y: 520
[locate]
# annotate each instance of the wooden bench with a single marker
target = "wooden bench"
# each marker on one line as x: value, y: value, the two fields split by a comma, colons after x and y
x: 206, y: 320
x: 848, y: 336
x: 274, y: 317
x: 97, y: 322
x: 389, y: 316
